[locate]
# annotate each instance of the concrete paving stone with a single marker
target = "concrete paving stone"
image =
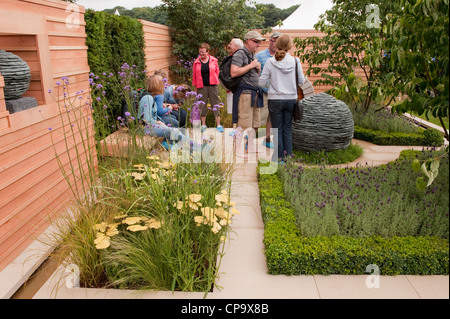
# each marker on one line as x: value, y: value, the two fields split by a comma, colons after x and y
x: 244, y: 189
x: 244, y: 253
x: 430, y: 287
x: 249, y: 215
x: 365, y: 287
x: 247, y: 286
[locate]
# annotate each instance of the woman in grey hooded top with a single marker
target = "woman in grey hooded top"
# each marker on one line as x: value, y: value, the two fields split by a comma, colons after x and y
x: 279, y: 77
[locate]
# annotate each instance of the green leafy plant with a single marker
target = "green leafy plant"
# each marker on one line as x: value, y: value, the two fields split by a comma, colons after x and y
x: 216, y: 22
x: 429, y: 168
x: 348, y: 43
x: 419, y: 55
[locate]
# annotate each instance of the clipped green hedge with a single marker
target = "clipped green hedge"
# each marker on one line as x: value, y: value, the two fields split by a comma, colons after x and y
x: 428, y: 137
x: 291, y: 254
x: 113, y: 41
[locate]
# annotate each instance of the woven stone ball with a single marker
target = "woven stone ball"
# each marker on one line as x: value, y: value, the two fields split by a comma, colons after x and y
x: 16, y: 74
x: 327, y: 125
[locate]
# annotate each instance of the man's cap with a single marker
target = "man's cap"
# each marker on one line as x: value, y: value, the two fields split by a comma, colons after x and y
x: 275, y: 35
x: 254, y: 35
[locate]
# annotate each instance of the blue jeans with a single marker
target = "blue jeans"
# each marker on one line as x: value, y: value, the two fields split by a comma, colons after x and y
x: 170, y: 119
x: 163, y: 131
x: 281, y: 112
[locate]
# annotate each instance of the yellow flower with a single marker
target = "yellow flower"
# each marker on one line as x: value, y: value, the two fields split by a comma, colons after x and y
x: 222, y: 198
x: 153, y: 157
x: 134, y: 220
x: 234, y: 211
x: 179, y: 204
x: 221, y: 213
x: 223, y: 238
x: 199, y: 219
x: 112, y: 232
x: 111, y: 229
x: 100, y: 227
x: 153, y: 223
x: 138, y: 176
x: 210, y: 217
x: 165, y: 165
x: 225, y: 221
x: 193, y: 206
x: 194, y: 197
x: 137, y: 228
x: 216, y: 227
x: 102, y: 241
x: 139, y: 166
x: 232, y: 204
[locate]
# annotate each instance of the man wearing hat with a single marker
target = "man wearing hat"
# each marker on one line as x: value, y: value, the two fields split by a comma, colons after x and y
x: 247, y: 100
x: 262, y: 57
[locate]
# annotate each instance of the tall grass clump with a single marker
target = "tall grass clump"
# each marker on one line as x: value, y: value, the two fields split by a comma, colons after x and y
x: 139, y: 221
x: 368, y: 201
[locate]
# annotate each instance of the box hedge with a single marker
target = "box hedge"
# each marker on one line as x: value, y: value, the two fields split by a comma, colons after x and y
x: 289, y: 253
x: 428, y: 137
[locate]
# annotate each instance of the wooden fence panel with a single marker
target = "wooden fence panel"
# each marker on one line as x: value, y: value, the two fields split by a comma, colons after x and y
x: 50, y: 36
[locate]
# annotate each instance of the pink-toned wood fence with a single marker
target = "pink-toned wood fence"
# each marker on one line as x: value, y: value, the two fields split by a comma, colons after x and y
x: 50, y: 36
x: 303, y: 34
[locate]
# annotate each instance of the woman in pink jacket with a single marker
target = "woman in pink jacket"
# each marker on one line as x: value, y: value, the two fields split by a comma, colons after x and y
x: 205, y: 77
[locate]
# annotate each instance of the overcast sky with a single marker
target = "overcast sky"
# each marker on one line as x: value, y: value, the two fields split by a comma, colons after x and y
x: 129, y: 4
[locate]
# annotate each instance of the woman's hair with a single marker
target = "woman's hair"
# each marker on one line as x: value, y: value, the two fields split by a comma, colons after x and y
x: 155, y: 85
x: 161, y: 72
x: 283, y: 44
x: 180, y: 91
x: 205, y: 46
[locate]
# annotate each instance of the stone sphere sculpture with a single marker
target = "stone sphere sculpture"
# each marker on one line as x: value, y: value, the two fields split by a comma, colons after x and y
x: 327, y: 124
x: 16, y: 74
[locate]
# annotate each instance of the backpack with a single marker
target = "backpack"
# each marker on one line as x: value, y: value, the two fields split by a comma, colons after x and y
x: 227, y: 81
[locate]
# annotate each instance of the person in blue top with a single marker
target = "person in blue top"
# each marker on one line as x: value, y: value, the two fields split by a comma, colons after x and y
x: 174, y: 96
x: 262, y: 57
x: 152, y: 113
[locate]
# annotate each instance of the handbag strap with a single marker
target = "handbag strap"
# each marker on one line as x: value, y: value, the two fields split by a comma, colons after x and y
x: 296, y: 76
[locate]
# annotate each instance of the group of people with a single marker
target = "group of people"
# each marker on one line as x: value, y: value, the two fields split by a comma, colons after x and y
x: 266, y: 94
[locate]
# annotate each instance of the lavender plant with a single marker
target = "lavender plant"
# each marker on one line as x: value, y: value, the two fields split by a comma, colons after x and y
x: 368, y: 201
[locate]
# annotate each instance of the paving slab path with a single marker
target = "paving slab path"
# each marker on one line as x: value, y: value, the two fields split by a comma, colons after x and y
x: 244, y: 271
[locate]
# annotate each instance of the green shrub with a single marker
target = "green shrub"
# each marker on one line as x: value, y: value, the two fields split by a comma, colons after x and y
x: 433, y: 137
x: 429, y: 137
x: 289, y: 253
x: 114, y: 41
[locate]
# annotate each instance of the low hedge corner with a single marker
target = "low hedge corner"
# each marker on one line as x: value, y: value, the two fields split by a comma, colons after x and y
x: 289, y: 253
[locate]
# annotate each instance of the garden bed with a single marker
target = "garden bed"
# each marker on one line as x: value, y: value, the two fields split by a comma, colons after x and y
x: 328, y: 240
x: 154, y: 225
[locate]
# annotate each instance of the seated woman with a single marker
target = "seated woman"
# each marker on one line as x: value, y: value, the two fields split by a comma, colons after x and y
x: 155, y: 87
x: 174, y: 95
x: 154, y: 125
